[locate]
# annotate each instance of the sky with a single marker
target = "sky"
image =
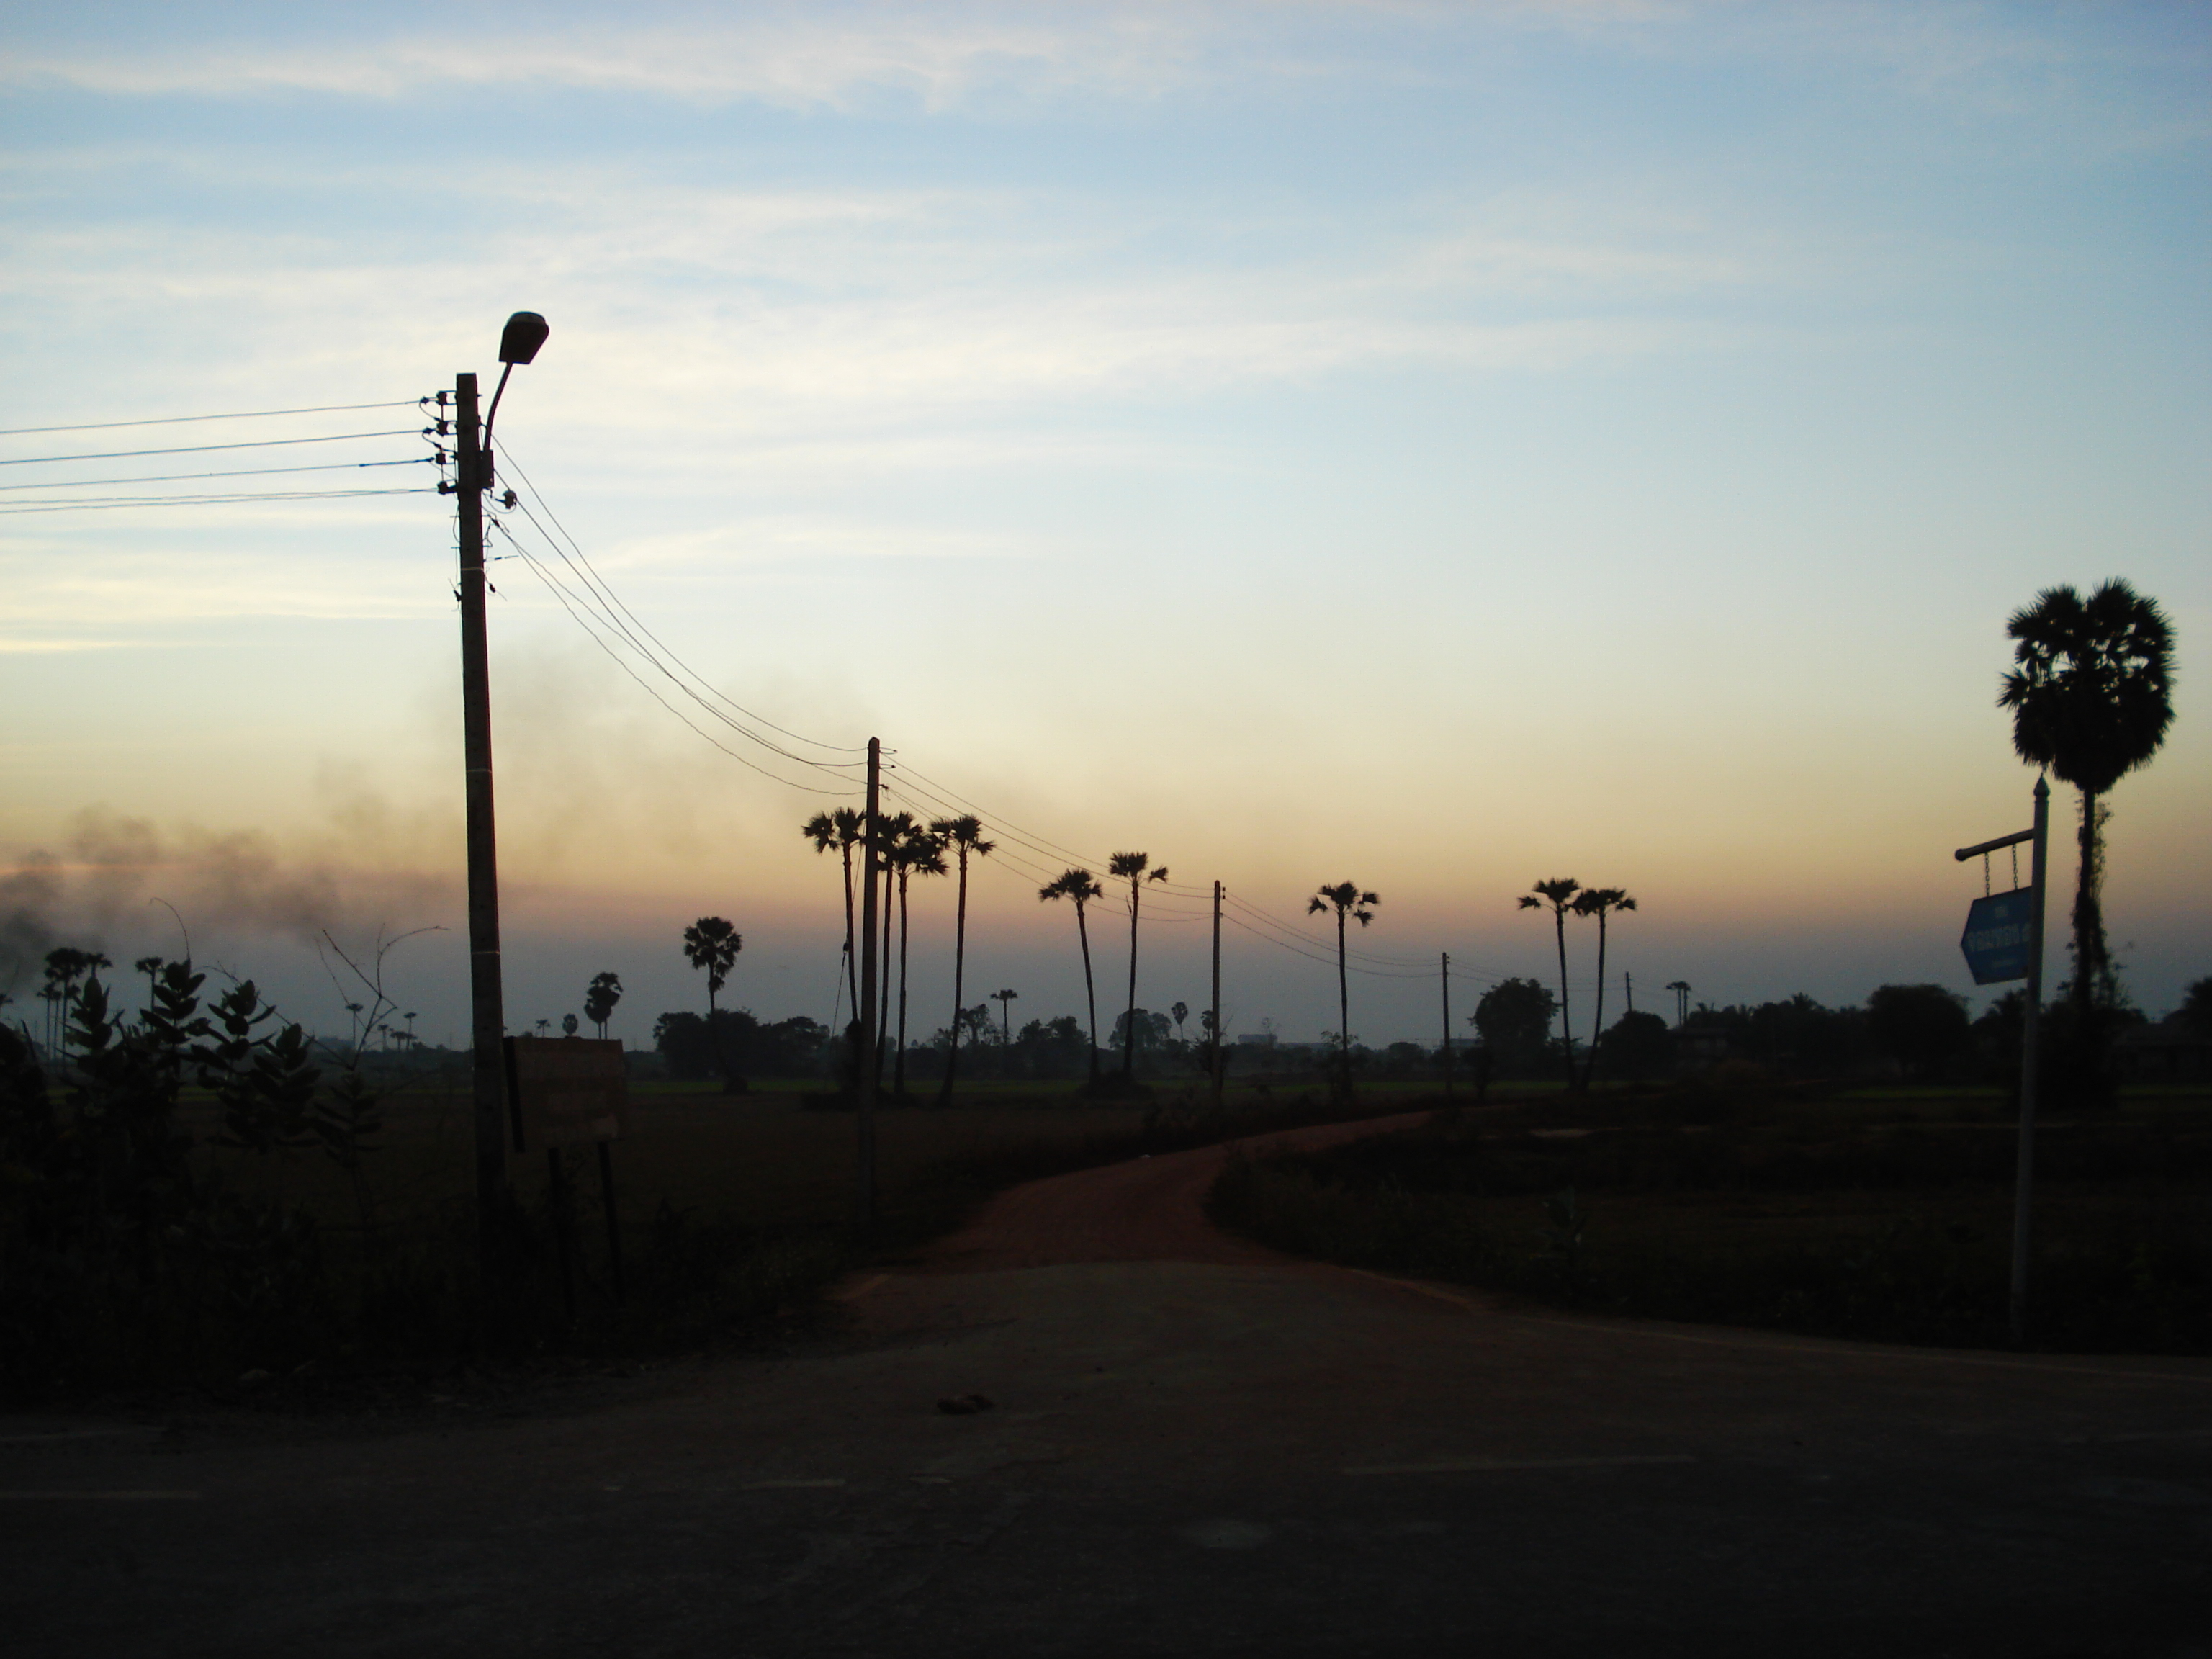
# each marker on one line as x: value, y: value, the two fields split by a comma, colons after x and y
x: 1437, y: 447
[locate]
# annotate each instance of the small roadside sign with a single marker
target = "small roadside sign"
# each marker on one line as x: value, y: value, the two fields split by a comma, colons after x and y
x: 564, y: 1091
x: 1996, y: 942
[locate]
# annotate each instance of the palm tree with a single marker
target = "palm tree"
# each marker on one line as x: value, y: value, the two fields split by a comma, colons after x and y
x: 1131, y: 867
x: 1557, y: 893
x: 842, y: 829
x: 892, y: 832
x: 964, y: 835
x: 1681, y: 987
x: 1599, y: 901
x: 1081, y: 886
x: 919, y: 854
x: 2091, y: 696
x: 1181, y: 1011
x: 712, y: 945
x: 1006, y: 1000
x: 148, y: 966
x: 1346, y: 900
x: 599, y: 999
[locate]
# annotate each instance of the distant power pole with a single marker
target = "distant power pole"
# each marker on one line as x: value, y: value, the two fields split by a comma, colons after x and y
x: 1216, y: 1055
x: 864, y: 1185
x: 1448, y: 1066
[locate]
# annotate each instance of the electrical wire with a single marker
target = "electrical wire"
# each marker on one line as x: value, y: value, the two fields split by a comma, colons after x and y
x: 615, y: 600
x: 199, y: 449
x: 554, y: 586
x: 180, y: 420
x: 590, y: 601
x: 104, y: 506
x: 242, y: 472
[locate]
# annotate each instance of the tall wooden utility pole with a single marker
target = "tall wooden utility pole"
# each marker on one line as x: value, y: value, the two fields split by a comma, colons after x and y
x: 864, y: 1184
x: 1448, y: 1066
x: 1216, y: 1055
x: 487, y: 1012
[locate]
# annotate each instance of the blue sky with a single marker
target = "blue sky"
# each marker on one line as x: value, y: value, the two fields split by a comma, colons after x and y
x: 1438, y: 445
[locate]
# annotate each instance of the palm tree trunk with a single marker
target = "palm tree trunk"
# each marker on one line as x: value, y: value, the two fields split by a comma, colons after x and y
x: 1343, y: 1007
x: 2089, y: 911
x: 1597, y: 1018
x: 714, y: 1038
x: 959, y: 968
x: 1090, y: 996
x: 1129, y: 1020
x: 851, y: 962
x: 898, y: 1065
x: 1566, y: 1024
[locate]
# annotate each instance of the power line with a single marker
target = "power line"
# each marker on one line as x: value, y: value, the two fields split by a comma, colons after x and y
x: 616, y: 600
x: 197, y: 449
x: 242, y: 472
x: 241, y: 499
x: 179, y: 420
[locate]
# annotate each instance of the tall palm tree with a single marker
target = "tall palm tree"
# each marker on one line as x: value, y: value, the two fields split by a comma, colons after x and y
x: 1599, y: 901
x: 1081, y: 886
x: 1681, y: 987
x: 1005, y: 1001
x: 148, y: 966
x: 605, y: 991
x: 1558, y: 893
x: 892, y: 832
x: 712, y: 945
x: 842, y: 829
x: 1348, y: 901
x: 920, y: 853
x: 1131, y: 867
x: 2091, y: 693
x: 964, y: 835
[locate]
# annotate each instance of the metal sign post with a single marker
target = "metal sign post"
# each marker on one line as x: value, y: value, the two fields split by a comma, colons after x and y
x: 2003, y: 941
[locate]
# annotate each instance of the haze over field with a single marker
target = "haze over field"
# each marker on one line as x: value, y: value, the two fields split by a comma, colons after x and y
x: 1437, y: 447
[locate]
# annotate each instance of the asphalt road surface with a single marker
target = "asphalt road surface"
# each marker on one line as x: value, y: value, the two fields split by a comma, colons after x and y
x: 1192, y: 1447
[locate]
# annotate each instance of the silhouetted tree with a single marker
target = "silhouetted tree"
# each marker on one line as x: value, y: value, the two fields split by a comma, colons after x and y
x: 843, y: 829
x: 1599, y: 901
x: 1514, y: 1018
x: 1182, y: 1013
x: 1079, y: 886
x: 1131, y: 867
x: 149, y: 966
x: 1005, y: 1001
x: 1348, y: 902
x: 567, y: 1025
x: 599, y: 999
x: 893, y: 833
x: 711, y: 944
x: 1681, y: 987
x: 1638, y: 1046
x: 1558, y: 893
x: 965, y: 836
x: 2091, y: 696
x: 2195, y: 1013
x: 1918, y: 1026
x: 919, y: 852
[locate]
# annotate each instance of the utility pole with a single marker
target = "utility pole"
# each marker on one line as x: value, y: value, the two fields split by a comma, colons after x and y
x: 864, y: 1185
x: 1216, y: 1056
x: 488, y: 1020
x: 2031, y: 1020
x: 1448, y: 1066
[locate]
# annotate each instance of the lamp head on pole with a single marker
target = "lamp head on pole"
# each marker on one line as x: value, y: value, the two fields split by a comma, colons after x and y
x: 519, y: 340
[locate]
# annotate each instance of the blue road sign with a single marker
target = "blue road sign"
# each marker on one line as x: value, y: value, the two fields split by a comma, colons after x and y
x: 1996, y: 939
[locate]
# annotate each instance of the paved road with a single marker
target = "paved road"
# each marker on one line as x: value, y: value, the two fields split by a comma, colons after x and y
x: 1195, y: 1448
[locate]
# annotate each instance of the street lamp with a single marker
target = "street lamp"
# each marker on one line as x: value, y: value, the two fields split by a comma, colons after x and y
x: 524, y: 333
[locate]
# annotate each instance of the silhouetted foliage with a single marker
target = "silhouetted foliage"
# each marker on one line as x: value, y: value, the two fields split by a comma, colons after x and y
x: 1514, y: 1018
x: 1639, y: 1048
x: 793, y: 1048
x: 1921, y: 1027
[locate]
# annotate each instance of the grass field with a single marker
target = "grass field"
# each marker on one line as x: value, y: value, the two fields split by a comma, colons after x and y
x: 1879, y: 1214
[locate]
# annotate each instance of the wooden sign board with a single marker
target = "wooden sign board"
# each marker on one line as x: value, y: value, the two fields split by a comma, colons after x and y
x: 563, y: 1091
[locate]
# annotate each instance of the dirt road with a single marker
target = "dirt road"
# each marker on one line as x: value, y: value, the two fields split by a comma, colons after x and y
x: 1194, y: 1447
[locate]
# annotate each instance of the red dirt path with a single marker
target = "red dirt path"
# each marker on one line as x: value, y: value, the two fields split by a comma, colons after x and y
x: 1149, y: 1209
